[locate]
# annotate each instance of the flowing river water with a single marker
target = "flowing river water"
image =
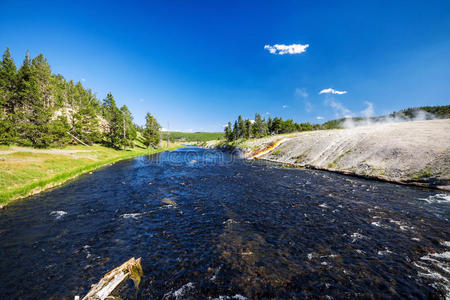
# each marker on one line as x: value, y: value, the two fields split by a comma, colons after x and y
x: 236, y: 229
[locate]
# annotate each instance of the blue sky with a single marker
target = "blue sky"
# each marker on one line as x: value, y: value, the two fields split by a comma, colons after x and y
x: 196, y: 65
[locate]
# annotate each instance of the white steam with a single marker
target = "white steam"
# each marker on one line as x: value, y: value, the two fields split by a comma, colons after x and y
x: 368, y: 118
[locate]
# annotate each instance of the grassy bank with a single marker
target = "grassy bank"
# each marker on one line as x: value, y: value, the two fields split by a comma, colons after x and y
x: 24, y: 171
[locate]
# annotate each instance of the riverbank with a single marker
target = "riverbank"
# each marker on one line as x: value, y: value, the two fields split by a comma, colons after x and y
x: 416, y: 153
x: 28, y: 171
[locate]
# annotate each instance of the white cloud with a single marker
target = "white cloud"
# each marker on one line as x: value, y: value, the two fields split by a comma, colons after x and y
x: 319, y: 118
x: 301, y: 93
x: 332, y: 91
x: 281, y: 49
x: 83, y: 79
x: 284, y: 106
x: 369, y: 111
x: 163, y: 129
x: 267, y: 113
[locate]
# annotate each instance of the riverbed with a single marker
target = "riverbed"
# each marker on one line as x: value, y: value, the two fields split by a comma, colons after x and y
x: 233, y: 229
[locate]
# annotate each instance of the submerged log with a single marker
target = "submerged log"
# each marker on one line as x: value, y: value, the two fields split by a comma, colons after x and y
x: 130, y: 269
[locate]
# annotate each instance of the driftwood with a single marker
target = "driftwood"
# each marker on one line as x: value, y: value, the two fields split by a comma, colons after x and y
x: 130, y: 269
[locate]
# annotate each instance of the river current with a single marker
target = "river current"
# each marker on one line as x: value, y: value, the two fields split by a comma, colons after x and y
x: 236, y: 229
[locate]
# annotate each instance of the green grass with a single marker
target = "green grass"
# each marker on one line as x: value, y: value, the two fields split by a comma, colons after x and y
x: 277, y: 152
x: 26, y: 173
x: 191, y: 136
x: 423, y: 174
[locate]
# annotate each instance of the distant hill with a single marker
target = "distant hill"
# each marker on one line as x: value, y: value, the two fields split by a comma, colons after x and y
x: 177, y: 136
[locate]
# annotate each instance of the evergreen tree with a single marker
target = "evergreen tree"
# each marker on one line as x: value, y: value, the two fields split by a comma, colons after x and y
x: 129, y: 129
x: 247, y: 128
x: 241, y: 125
x: 151, y: 131
x: 259, y: 127
x: 8, y: 77
x: 236, y: 130
x: 276, y: 125
x: 114, y: 134
x: 270, y: 125
x: 34, y: 100
x: 228, y: 132
x: 85, y: 122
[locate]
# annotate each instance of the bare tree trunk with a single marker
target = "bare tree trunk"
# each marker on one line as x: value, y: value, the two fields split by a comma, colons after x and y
x: 130, y: 269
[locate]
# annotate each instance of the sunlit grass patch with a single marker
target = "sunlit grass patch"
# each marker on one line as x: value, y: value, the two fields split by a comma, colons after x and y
x: 26, y: 173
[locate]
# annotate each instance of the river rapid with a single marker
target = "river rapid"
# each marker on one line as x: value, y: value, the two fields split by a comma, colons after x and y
x: 236, y: 229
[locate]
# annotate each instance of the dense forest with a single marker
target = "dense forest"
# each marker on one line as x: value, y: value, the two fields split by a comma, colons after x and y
x: 259, y: 127
x: 41, y: 109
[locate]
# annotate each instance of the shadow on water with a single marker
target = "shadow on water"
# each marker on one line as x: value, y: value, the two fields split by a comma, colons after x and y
x: 210, y: 225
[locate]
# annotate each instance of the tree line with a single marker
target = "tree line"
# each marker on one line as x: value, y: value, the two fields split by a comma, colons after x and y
x: 41, y: 109
x: 260, y: 127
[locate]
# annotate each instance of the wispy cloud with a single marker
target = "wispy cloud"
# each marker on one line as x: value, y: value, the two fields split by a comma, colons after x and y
x: 308, y: 106
x: 285, y: 106
x: 319, y: 118
x: 339, y: 109
x: 301, y: 93
x: 267, y: 113
x: 282, y: 49
x: 83, y: 79
x: 332, y: 91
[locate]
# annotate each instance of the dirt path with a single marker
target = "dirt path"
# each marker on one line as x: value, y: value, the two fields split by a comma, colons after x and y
x: 48, y: 151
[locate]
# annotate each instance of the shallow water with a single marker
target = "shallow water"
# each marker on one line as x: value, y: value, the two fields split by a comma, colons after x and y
x: 238, y: 229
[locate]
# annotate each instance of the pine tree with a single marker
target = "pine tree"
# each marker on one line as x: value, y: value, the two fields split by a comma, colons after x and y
x: 113, y: 115
x: 248, y: 128
x: 240, y: 131
x: 151, y: 131
x: 129, y: 129
x: 85, y: 123
x: 8, y: 80
x: 228, y: 132
x: 259, y: 127
x: 235, y: 130
x: 270, y: 125
x: 34, y: 100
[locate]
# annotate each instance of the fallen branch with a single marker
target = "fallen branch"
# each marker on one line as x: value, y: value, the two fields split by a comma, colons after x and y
x: 131, y: 269
x: 77, y: 139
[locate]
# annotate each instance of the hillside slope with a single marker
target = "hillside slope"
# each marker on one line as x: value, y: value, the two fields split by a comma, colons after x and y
x: 410, y: 152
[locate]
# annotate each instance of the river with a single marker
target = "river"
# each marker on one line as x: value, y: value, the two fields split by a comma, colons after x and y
x: 237, y: 229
